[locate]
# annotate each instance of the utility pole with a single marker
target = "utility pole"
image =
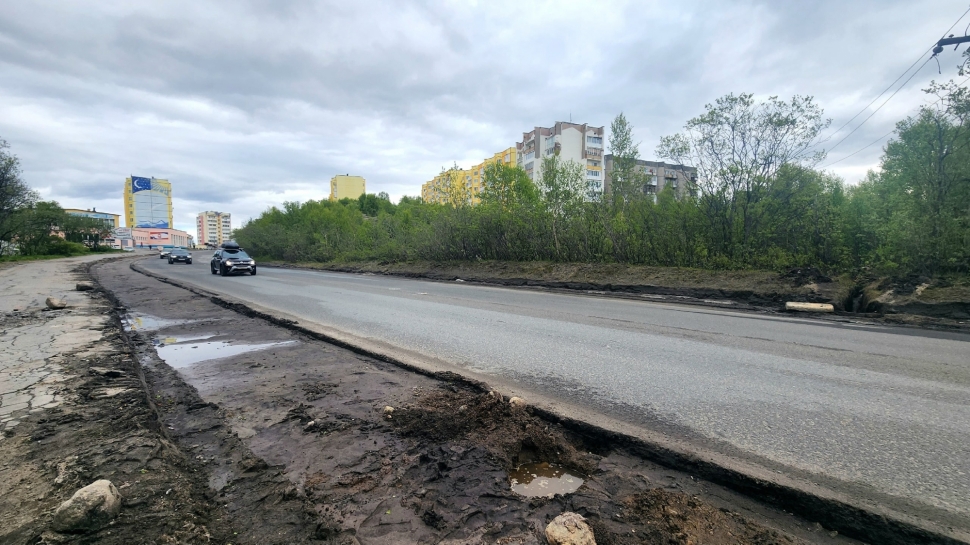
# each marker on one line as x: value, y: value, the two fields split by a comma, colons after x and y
x: 950, y: 40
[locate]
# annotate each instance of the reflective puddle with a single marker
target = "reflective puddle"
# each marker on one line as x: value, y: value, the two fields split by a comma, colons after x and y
x: 182, y: 354
x: 543, y: 479
x: 163, y: 341
x: 144, y: 322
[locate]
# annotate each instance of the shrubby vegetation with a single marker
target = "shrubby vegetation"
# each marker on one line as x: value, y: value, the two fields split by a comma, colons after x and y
x: 760, y: 202
x: 28, y: 225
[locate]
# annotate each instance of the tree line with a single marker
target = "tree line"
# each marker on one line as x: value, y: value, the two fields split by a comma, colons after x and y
x: 760, y: 201
x: 30, y: 226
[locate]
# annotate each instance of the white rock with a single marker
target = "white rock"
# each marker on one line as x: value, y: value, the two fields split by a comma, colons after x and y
x: 388, y: 410
x: 569, y: 529
x: 55, y: 303
x: 89, y: 508
x: 517, y: 402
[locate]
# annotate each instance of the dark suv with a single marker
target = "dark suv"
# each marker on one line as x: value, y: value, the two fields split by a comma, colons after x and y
x: 179, y: 255
x: 232, y: 259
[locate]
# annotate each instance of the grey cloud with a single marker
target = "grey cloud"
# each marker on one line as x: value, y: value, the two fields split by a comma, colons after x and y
x: 247, y: 104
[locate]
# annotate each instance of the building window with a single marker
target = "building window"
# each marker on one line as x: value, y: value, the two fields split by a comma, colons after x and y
x: 593, y: 173
x: 594, y: 140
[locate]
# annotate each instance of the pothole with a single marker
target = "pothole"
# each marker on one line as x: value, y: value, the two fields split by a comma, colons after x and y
x: 185, y: 354
x: 543, y: 480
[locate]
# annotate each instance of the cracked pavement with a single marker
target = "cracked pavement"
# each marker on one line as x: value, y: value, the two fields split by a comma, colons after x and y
x: 34, y: 340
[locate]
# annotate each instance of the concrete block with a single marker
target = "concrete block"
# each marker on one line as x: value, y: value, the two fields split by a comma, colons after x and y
x: 809, y: 307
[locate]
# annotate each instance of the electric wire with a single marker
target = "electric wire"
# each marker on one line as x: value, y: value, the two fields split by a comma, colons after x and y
x: 867, y: 146
x: 880, y: 106
x: 891, y: 86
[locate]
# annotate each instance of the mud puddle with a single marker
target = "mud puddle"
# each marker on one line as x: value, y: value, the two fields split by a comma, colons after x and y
x: 543, y: 480
x: 186, y: 353
x: 146, y: 322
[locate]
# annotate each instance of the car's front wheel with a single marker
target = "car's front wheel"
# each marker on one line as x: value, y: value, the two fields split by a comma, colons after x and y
x: 170, y: 262
x: 189, y: 262
x: 222, y: 270
x: 253, y: 271
x: 213, y: 269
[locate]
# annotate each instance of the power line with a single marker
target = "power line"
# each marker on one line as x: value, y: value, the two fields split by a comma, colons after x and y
x: 881, y: 105
x: 891, y: 86
x: 860, y: 149
x: 867, y: 146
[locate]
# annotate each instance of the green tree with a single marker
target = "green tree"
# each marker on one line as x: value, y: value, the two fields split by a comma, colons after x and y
x: 738, y: 146
x: 626, y: 180
x: 507, y: 186
x: 15, y: 196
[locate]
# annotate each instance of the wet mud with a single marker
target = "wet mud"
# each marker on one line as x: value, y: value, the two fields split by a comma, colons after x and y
x: 301, y: 441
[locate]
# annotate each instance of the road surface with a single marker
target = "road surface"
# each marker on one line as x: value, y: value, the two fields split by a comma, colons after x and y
x: 882, y: 413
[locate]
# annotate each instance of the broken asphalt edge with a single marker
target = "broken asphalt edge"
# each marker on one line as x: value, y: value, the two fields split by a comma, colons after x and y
x: 809, y: 500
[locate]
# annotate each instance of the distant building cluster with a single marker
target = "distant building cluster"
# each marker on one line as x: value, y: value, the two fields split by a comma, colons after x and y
x: 149, y: 219
x: 581, y: 143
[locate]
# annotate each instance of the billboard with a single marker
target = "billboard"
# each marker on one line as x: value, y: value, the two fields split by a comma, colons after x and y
x: 157, y: 235
x: 121, y: 233
x: 152, y: 202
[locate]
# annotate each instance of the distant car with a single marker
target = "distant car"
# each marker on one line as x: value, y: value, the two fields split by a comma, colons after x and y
x: 232, y: 259
x: 179, y: 255
x: 163, y: 253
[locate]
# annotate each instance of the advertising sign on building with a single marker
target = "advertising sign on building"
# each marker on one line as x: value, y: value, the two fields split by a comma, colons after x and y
x: 157, y: 235
x: 152, y: 201
x: 121, y: 233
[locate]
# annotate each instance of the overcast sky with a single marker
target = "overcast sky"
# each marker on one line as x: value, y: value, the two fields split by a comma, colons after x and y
x: 247, y: 104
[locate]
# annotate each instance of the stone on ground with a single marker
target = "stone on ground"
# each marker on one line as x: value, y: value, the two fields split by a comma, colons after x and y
x: 89, y: 508
x: 569, y: 529
x: 84, y: 286
x: 55, y: 303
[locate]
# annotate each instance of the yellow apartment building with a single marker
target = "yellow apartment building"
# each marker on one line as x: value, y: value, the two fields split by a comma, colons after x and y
x: 473, y: 178
x: 345, y: 186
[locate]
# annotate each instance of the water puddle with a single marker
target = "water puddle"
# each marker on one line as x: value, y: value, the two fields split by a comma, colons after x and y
x: 145, y: 322
x: 165, y: 341
x: 543, y: 479
x: 187, y: 353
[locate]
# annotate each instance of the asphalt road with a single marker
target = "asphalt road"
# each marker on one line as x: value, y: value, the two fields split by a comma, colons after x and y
x: 882, y: 412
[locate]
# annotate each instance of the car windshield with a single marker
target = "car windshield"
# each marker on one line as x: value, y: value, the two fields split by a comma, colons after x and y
x: 180, y: 252
x: 236, y: 254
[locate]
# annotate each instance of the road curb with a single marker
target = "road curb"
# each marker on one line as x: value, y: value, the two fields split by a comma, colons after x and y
x: 828, y: 510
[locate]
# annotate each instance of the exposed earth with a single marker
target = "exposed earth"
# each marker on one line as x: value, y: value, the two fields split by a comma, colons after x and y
x: 217, y: 427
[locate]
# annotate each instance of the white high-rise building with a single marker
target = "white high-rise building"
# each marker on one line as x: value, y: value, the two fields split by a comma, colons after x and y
x: 573, y: 142
x: 213, y: 228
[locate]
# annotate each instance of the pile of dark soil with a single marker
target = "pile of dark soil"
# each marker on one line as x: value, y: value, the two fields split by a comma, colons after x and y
x: 510, y: 434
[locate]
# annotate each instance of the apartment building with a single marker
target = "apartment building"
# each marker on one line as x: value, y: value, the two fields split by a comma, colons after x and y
x: 345, y: 186
x: 473, y: 179
x: 148, y: 202
x: 213, y: 228
x: 572, y: 142
x: 658, y: 175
